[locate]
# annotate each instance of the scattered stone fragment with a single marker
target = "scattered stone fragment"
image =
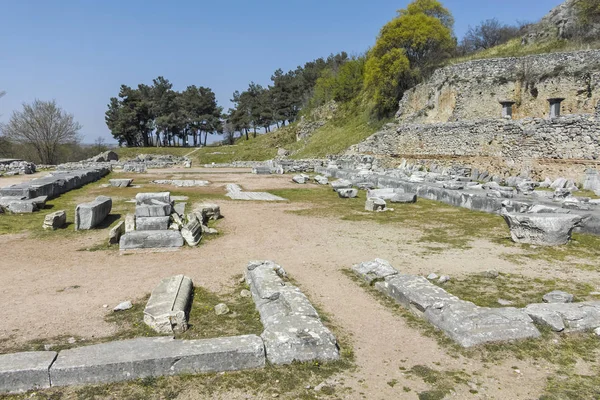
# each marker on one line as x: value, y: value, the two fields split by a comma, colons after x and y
x: 299, y: 179
x: 375, y: 204
x: 168, y: 308
x: 88, y: 215
x: 180, y: 208
x: 321, y: 180
x: 55, y: 220
x: 490, y: 273
x: 443, y: 279
x: 209, y: 231
x: 341, y: 184
x: 221, y: 309
x: 542, y: 229
x: 432, y: 276
x: 245, y: 293
x: 126, y: 305
x: 347, y: 193
x: 192, y: 232
x: 558, y: 296
x: 505, y: 303
x: 208, y: 211
x: 115, y: 233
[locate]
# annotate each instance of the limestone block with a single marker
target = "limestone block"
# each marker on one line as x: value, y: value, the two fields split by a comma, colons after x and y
x: 179, y: 208
x: 154, y: 357
x: 147, y: 198
x: 374, y: 204
x: 542, y: 229
x: 55, y: 220
x: 115, y: 233
x: 558, y: 296
x: 129, y: 223
x: 347, y: 193
x: 88, y: 215
x: 168, y: 308
x: 163, y: 210
x: 20, y: 372
x: 341, y: 184
x: 385, y: 193
x: 120, y: 182
x: 150, y: 240
x: 566, y: 316
x: 192, y: 232
x: 321, y: 180
x: 374, y: 270
x: 152, y: 223
x: 404, y: 198
x: 208, y: 211
x: 261, y: 170
x: 299, y: 179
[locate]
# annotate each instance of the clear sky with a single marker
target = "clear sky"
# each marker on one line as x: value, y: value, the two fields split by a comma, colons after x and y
x: 80, y: 51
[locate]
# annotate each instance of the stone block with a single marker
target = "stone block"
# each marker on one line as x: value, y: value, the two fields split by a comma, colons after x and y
x: 542, y: 229
x: 293, y: 330
x: 375, y: 270
x: 129, y: 223
x: 154, y: 357
x: 558, y: 296
x: 208, y: 211
x: 347, y: 193
x: 321, y: 180
x: 168, y: 308
x: 150, y: 198
x: 20, y: 372
x: 115, y: 233
x: 341, y: 184
x: 179, y: 208
x: 88, y: 215
x: 22, y: 206
x: 374, y: 204
x: 568, y: 317
x: 163, y: 210
x: 192, y: 232
x: 403, y: 198
x: 150, y: 240
x: 55, y: 220
x: 299, y: 179
x: 152, y: 223
x: 120, y: 182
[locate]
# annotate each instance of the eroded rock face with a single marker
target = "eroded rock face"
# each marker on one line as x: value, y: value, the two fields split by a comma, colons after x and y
x: 542, y: 229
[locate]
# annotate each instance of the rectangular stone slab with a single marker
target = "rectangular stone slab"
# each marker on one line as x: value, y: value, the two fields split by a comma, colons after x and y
x: 163, y: 210
x: 152, y: 223
x: 20, y: 372
x: 154, y: 357
x: 147, y: 198
x: 88, y: 215
x: 150, y: 240
x: 168, y: 307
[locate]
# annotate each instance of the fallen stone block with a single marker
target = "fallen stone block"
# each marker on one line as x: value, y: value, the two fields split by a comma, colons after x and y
x: 154, y: 357
x: 299, y: 179
x: 163, y: 210
x: 150, y: 240
x: 374, y: 204
x: 88, y: 215
x: 558, y: 296
x: 375, y: 270
x: 22, y: 206
x: 120, y: 182
x: 115, y: 233
x: 568, y: 317
x: 404, y: 198
x: 192, y: 232
x: 385, y: 194
x: 542, y: 229
x: 321, y: 180
x: 293, y: 330
x: 55, y: 220
x: 341, y: 184
x: 208, y: 211
x: 168, y: 308
x: 150, y: 198
x: 347, y: 193
x: 152, y: 223
x: 179, y: 208
x: 20, y: 372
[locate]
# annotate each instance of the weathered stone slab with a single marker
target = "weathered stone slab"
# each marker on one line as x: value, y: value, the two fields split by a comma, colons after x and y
x: 341, y: 184
x: 375, y: 270
x: 168, y: 308
x: 152, y: 223
x: 55, y: 220
x: 151, y: 198
x: 182, y: 182
x: 154, y: 357
x: 542, y: 229
x: 163, y: 210
x: 208, y: 211
x: 179, y: 208
x: 115, y: 233
x: 120, y: 182
x: 558, y: 296
x: 20, y: 372
x: 22, y: 206
x: 261, y: 170
x: 192, y: 232
x: 566, y: 316
x: 404, y: 198
x: 293, y: 330
x: 321, y: 180
x: 150, y: 240
x: 235, y: 192
x: 88, y: 215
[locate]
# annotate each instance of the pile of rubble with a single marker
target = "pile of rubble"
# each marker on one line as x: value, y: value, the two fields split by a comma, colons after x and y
x: 10, y: 167
x: 160, y: 222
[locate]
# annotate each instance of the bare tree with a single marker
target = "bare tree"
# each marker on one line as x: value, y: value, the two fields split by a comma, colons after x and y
x: 44, y: 126
x: 488, y: 33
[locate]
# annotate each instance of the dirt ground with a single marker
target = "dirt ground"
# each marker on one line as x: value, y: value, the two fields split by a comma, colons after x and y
x: 50, y: 287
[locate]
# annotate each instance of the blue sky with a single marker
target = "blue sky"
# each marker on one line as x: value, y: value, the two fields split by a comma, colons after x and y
x: 80, y: 52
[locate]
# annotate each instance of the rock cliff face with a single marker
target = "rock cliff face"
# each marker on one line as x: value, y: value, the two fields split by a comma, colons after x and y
x: 473, y: 90
x: 561, y: 22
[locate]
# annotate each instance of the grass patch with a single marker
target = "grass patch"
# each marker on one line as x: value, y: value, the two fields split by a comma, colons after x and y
x: 441, y: 382
x: 567, y: 385
x: 522, y: 291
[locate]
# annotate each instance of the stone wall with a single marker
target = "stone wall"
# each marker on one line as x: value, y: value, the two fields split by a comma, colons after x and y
x: 567, y: 144
x: 472, y: 90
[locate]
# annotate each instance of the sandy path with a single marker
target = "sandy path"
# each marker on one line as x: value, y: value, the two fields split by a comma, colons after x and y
x: 313, y: 250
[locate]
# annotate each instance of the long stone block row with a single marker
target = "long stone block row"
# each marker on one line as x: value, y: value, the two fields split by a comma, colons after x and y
x: 471, y: 199
x: 55, y: 184
x: 293, y: 330
x: 462, y: 321
x: 127, y: 360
